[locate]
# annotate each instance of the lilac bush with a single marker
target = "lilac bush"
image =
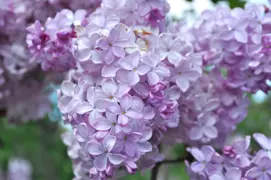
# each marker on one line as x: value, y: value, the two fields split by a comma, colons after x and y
x: 130, y: 82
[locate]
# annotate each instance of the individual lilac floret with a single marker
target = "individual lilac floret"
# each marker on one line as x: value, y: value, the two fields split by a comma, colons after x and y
x: 205, y: 160
x: 102, y: 153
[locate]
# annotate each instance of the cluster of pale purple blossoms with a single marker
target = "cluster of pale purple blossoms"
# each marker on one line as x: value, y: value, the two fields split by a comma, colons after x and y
x: 21, y: 77
x: 17, y: 169
x: 237, y: 41
x: 127, y: 92
x: 236, y: 162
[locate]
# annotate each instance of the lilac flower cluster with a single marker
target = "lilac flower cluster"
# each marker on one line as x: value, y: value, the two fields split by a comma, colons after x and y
x: 51, y: 45
x: 136, y: 87
x: 138, y: 12
x: 126, y: 96
x: 209, y: 111
x: 238, y: 41
x: 236, y: 162
x: 21, y: 78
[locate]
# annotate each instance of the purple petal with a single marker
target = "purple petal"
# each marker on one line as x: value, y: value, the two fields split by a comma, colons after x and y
x: 174, y: 58
x: 104, y: 44
x: 262, y: 140
x: 109, y: 71
x: 83, y: 55
x: 95, y: 148
x: 196, y: 133
x: 100, y: 135
x: 254, y: 172
x: 135, y: 136
x: 198, y: 155
x: 241, y: 36
x: 233, y: 173
x: 109, y: 87
x: 147, y: 134
x: 131, y: 61
x: 243, y: 161
x: 143, y: 69
x: 145, y: 146
x: 126, y: 102
x: 208, y: 152
x: 134, y: 114
x: 197, y: 167
x: 210, y: 131
x: 109, y: 142
x: 112, y: 20
x: 114, y: 108
x: 118, y: 51
x: 109, y: 57
x: 82, y: 132
x: 116, y: 159
x: 98, y: 19
x: 133, y: 78
x: 217, y: 176
x: 153, y: 78
x: 83, y: 108
x: 212, y: 105
x: 148, y: 113
x: 182, y: 83
x: 123, y: 89
x: 137, y: 104
x: 100, y: 162
x: 67, y: 88
x: 162, y: 71
x: 123, y: 119
x: 102, y: 124
x: 130, y: 148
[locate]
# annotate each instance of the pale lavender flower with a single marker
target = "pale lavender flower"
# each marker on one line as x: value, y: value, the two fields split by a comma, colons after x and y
x: 205, y: 128
x: 113, y: 45
x: 101, y: 23
x: 102, y: 153
x: 170, y: 49
x: 158, y: 71
x: 204, y: 160
x: 133, y: 67
x: 130, y: 13
x: 186, y: 73
x: 127, y: 109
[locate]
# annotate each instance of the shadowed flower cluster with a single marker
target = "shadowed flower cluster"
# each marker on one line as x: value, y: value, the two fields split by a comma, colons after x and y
x: 236, y: 161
